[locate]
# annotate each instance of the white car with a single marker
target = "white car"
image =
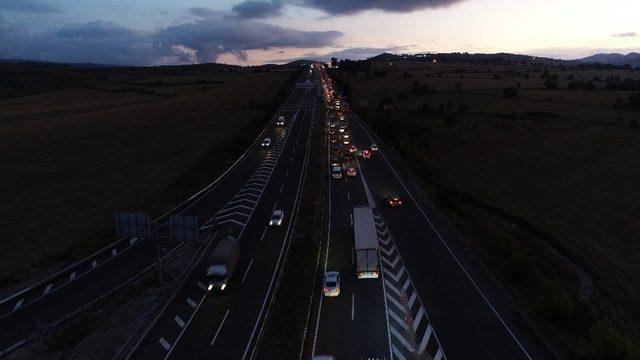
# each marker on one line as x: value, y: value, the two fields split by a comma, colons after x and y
x: 276, y: 218
x: 266, y: 142
x: 331, y: 283
x: 374, y: 147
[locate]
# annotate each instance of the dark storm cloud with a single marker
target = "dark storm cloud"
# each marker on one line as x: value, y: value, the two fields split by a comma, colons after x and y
x: 625, y: 35
x: 350, y: 7
x: 27, y: 6
x: 95, y: 42
x: 212, y: 37
x: 203, y: 40
x: 256, y: 9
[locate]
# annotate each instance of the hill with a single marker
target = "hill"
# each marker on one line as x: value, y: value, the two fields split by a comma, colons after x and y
x: 632, y: 59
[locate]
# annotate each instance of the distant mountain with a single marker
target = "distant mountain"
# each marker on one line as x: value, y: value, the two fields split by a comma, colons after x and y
x: 632, y: 59
x: 300, y: 62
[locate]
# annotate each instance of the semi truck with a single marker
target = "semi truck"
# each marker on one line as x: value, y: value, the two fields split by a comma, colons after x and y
x: 366, y: 243
x: 222, y: 263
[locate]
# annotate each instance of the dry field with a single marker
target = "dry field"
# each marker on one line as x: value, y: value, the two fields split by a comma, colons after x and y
x: 545, y: 186
x: 72, y: 156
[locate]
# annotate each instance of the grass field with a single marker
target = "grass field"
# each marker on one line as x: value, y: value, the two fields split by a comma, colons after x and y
x: 87, y: 143
x: 543, y: 185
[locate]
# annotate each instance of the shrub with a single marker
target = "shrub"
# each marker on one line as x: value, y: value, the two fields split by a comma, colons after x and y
x: 556, y: 304
x: 510, y: 92
x: 463, y: 108
x: 633, y: 123
x: 448, y: 120
x: 604, y: 341
x: 403, y: 95
x: 634, y: 101
x: 424, y: 89
x: 415, y: 87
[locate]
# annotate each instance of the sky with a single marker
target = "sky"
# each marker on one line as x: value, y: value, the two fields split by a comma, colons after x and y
x: 250, y: 32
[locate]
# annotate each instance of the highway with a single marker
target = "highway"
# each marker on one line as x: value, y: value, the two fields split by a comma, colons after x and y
x: 226, y: 325
x: 40, y: 307
x: 434, y: 298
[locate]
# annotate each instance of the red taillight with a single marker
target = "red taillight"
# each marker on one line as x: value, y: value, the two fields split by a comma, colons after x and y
x: 325, y: 290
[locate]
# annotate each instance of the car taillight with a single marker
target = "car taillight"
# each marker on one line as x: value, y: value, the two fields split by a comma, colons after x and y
x: 325, y: 290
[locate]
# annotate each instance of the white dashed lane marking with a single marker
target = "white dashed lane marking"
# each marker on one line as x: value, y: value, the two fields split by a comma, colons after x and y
x: 47, y: 289
x: 247, y: 272
x: 220, y: 327
x: 179, y: 321
x: 164, y: 343
x: 191, y: 303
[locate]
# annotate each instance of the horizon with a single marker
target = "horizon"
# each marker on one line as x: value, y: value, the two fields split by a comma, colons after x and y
x: 256, y: 32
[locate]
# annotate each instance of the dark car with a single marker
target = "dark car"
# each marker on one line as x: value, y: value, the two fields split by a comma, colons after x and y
x: 394, y: 201
x: 335, y: 162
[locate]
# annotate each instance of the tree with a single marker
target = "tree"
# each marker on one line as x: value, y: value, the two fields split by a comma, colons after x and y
x: 510, y: 92
x: 572, y: 85
x: 334, y: 62
x: 463, y: 108
x: 550, y: 84
x: 634, y: 101
x: 424, y: 89
x: 403, y: 95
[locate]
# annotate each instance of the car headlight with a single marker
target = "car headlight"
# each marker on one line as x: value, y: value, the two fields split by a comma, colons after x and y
x: 223, y: 286
x: 210, y: 287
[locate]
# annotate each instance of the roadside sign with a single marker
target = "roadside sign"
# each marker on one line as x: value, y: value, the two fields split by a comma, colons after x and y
x: 184, y: 228
x: 130, y: 225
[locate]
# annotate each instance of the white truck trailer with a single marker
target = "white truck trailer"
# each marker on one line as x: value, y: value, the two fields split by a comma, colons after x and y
x: 366, y: 243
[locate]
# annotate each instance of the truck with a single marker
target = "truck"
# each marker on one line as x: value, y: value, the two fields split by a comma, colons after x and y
x: 366, y: 243
x: 222, y: 263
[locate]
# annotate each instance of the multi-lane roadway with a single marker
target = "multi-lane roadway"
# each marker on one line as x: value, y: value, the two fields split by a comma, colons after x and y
x: 226, y: 325
x: 433, y: 300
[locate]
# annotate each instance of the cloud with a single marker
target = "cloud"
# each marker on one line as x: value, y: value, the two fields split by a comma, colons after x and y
x: 27, y: 6
x: 358, y: 53
x: 256, y: 9
x: 352, y: 53
x: 625, y: 35
x: 213, y: 37
x: 203, y: 40
x: 94, y: 42
x: 350, y: 7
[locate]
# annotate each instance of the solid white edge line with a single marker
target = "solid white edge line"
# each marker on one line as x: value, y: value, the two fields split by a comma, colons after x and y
x: 326, y: 255
x: 486, y: 300
x: 300, y: 183
x: 353, y: 305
